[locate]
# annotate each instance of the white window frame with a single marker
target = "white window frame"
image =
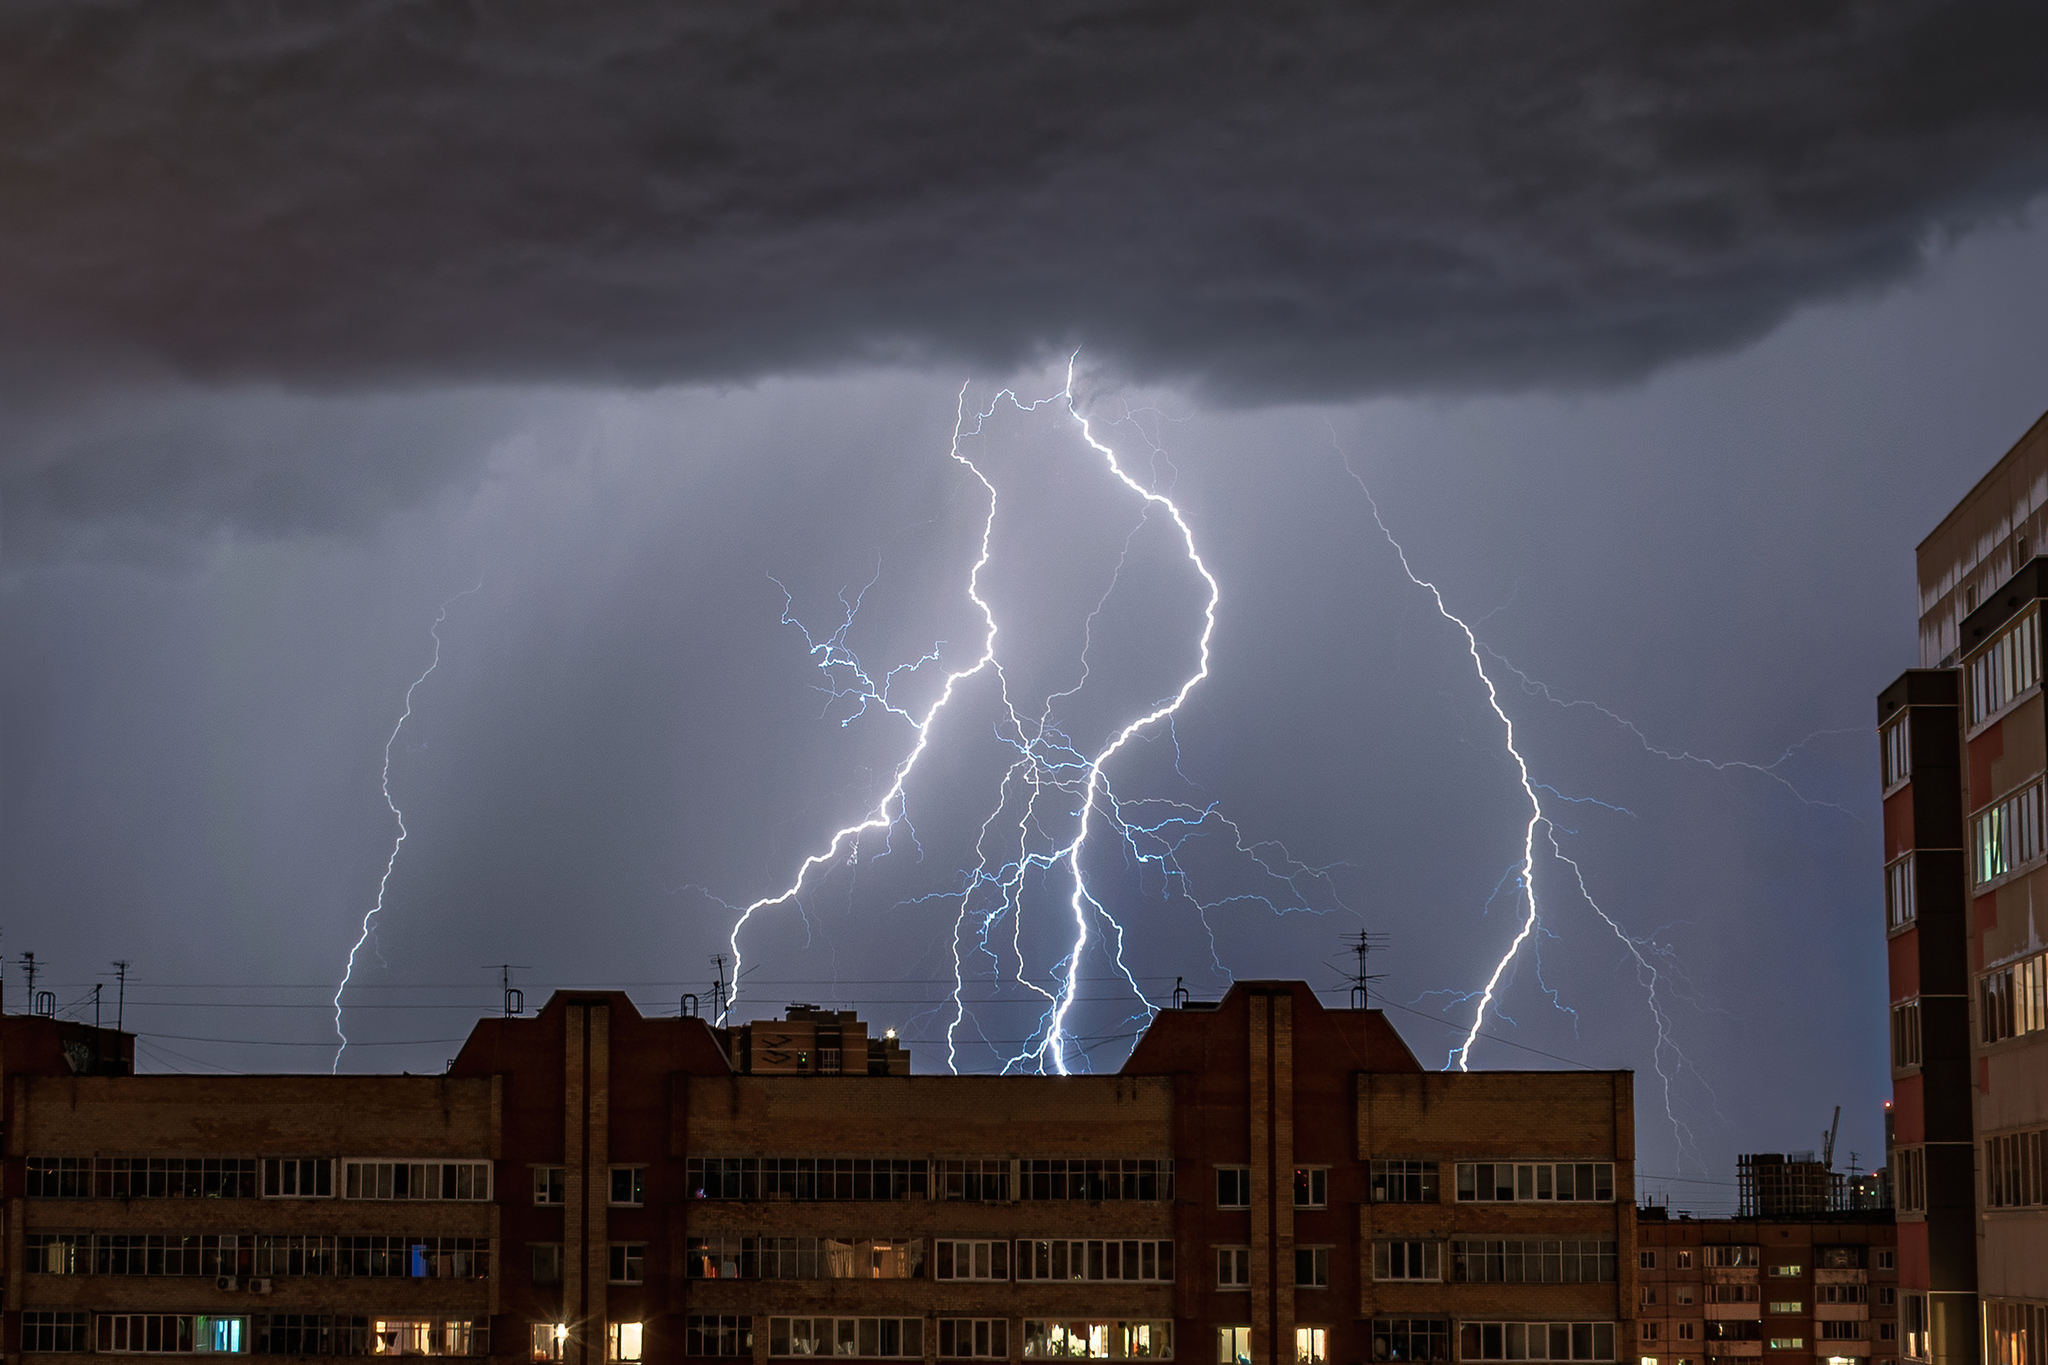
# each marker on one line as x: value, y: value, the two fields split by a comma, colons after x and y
x: 949, y: 1254
x: 293, y: 1171
x: 1319, y: 1267
x: 2004, y: 671
x: 1534, y: 1181
x: 1312, y: 1183
x: 1233, y: 1267
x: 1430, y: 1255
x: 1896, y: 746
x: 1243, y: 1181
x: 369, y: 1171
x: 1901, y: 901
x: 636, y: 1172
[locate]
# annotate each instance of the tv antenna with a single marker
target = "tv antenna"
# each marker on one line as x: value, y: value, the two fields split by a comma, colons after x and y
x: 515, y: 999
x: 1363, y: 946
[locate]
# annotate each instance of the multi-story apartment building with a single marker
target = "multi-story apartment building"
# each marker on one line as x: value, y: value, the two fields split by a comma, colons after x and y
x: 1964, y: 746
x: 1265, y: 1180
x: 1816, y: 1290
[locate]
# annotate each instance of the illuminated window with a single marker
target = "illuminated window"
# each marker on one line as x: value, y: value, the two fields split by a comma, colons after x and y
x: 623, y: 1341
x: 547, y: 1340
x: 1311, y: 1345
x: 2013, y: 1000
x: 1233, y: 1346
x: 2006, y: 835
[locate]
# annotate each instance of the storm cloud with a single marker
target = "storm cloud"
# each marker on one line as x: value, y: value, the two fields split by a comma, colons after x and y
x: 1253, y: 203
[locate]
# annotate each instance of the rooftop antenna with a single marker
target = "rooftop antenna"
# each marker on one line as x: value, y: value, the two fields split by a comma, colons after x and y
x: 1363, y: 947
x: 718, y: 990
x: 95, y: 1004
x: 120, y: 994
x: 515, y: 999
x: 1180, y: 993
x: 28, y: 964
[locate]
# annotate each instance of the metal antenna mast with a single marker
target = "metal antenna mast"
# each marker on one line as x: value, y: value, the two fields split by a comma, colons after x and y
x: 1363, y: 947
x: 120, y: 993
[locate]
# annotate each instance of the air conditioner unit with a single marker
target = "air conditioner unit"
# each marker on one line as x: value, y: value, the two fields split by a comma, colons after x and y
x: 259, y: 1286
x: 228, y: 1283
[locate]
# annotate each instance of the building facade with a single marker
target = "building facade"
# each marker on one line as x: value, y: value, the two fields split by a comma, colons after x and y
x: 1964, y: 753
x: 1819, y: 1290
x: 1266, y: 1180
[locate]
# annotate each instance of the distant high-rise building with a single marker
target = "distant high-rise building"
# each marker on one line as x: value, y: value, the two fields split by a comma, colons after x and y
x: 1964, y: 755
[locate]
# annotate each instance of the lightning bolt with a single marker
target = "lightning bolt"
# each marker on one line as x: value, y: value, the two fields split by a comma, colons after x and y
x: 397, y: 816
x: 1051, y: 779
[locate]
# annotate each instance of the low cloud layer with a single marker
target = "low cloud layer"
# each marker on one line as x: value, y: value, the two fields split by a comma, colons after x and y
x: 1258, y: 202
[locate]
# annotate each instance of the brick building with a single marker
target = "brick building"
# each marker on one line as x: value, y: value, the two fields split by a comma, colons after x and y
x: 1266, y: 1180
x: 1818, y: 1290
x: 1964, y: 744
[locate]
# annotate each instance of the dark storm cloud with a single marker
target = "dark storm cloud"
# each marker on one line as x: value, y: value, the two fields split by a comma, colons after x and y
x: 1257, y: 201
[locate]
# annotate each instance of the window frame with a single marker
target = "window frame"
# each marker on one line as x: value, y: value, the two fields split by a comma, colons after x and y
x: 635, y: 1174
x: 622, y: 1260
x: 1241, y: 1178
x: 1239, y: 1261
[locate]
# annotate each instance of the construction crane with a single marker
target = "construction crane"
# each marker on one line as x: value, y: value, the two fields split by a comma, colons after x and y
x: 1827, y: 1149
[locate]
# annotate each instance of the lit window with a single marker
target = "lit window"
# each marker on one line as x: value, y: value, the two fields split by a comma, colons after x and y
x: 1233, y: 1346
x: 1311, y: 1345
x: 629, y: 1188
x: 2012, y: 1000
x: 1788, y: 1306
x: 2006, y: 835
x: 1233, y: 1267
x: 547, y: 1340
x: 1233, y: 1187
x: 1787, y: 1272
x: 623, y: 1341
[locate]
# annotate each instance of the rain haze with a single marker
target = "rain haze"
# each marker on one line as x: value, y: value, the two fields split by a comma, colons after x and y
x: 575, y: 436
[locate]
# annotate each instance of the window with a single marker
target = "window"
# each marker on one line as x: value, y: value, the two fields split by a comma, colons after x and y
x: 1143, y: 1260
x: 59, y: 1253
x: 2005, y: 669
x: 2016, y: 1170
x: 467, y: 1180
x: 1727, y: 1257
x: 732, y: 1256
x: 623, y: 1341
x: 1685, y: 1258
x: 1735, y: 1330
x: 973, y: 1260
x: 1233, y: 1346
x: 871, y: 1337
x: 1731, y: 1293
x: 1906, y: 1035
x: 1788, y: 1343
x: 1536, y: 1341
x: 1841, y: 1331
x: 1142, y: 1178
x: 1406, y: 1260
x: 1649, y: 1331
x: 1886, y: 1261
x: 547, y: 1262
x: 297, y: 1178
x: 2011, y: 1001
x: 1787, y: 1272
x: 550, y: 1185
x: 1789, y: 1307
x: 1841, y: 1293
x: 1233, y: 1267
x: 1503, y: 1181
x: 1098, y: 1340
x: 1897, y: 739
x: 1411, y: 1339
x: 1911, y: 1179
x: 1312, y: 1267
x: 1887, y: 1331
x: 974, y: 1339
x: 1311, y: 1187
x: 1647, y: 1296
x: 1681, y: 1295
x: 809, y: 1177
x: 1311, y: 1345
x: 547, y: 1341
x: 140, y: 1177
x: 1233, y: 1187
x: 1646, y: 1260
x: 53, y: 1332
x: 1912, y: 1323
x: 719, y: 1334
x: 1901, y: 906
x: 1685, y: 1331
x: 2006, y: 834
x: 310, y: 1334
x: 628, y: 1261
x: 1518, y: 1260
x: 977, y: 1179
x: 170, y: 1334
x: 1887, y: 1296
x: 1403, y: 1182
x: 629, y: 1189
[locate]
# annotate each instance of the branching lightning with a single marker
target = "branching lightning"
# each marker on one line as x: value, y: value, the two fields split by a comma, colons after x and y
x: 398, y: 818
x: 1053, y: 781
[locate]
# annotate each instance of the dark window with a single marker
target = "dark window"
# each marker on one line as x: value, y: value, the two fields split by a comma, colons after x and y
x: 1411, y: 1339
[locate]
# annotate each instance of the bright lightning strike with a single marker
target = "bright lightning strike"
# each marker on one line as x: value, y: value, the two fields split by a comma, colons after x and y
x: 397, y: 816
x: 1051, y: 780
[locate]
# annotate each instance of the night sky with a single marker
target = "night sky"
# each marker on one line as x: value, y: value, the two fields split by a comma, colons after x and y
x: 629, y: 346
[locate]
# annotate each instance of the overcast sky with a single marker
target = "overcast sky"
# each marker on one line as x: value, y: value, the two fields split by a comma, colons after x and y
x: 630, y: 348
